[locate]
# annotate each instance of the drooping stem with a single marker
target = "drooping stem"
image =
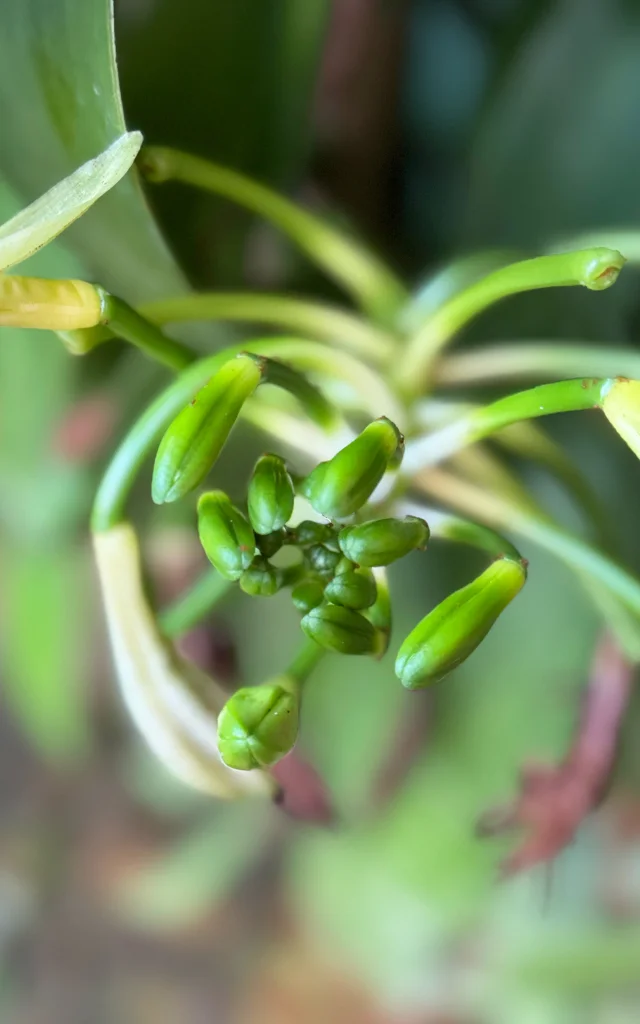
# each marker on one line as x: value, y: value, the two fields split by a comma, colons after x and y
x: 563, y: 396
x: 192, y: 606
x: 316, y: 319
x: 445, y: 526
x: 529, y: 441
x: 536, y: 361
x: 594, y: 268
x: 112, y: 493
x: 304, y: 662
x: 371, y: 283
x: 130, y: 455
x: 497, y: 512
x: 124, y: 322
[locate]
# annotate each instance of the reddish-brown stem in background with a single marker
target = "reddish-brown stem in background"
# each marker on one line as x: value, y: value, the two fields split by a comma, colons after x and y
x: 554, y: 800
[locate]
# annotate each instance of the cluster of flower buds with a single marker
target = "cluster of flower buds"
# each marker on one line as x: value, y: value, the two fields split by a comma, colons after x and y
x: 333, y: 566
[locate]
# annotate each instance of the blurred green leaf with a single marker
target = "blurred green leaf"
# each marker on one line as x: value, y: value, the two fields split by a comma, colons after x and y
x: 45, y: 661
x: 60, y: 105
x: 185, y: 884
x: 242, y: 96
x: 554, y: 154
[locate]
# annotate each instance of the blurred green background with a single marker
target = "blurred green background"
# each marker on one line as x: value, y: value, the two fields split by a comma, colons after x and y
x: 436, y: 128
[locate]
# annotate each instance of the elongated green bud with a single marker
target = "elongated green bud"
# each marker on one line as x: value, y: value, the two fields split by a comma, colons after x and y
x: 50, y: 305
x: 307, y: 595
x: 383, y: 541
x: 225, y: 535
x: 270, y: 496
x: 355, y: 588
x: 258, y: 726
x: 195, y: 438
x: 260, y: 579
x: 621, y: 406
x: 453, y: 630
x: 340, y: 629
x: 322, y: 560
x: 338, y: 488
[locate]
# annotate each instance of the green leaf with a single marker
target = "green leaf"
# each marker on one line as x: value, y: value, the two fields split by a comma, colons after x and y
x: 60, y: 106
x: 199, y: 871
x: 44, y: 656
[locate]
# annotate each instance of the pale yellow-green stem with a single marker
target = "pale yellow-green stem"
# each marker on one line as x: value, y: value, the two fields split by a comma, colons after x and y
x: 173, y: 704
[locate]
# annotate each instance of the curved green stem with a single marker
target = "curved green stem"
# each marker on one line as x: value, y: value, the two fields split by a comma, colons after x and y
x: 594, y: 268
x: 564, y: 396
x: 112, y: 493
x: 370, y: 282
x: 445, y: 526
x: 191, y: 607
x: 124, y: 322
x: 528, y: 441
x: 318, y: 320
x: 535, y: 360
x: 304, y: 662
x: 121, y: 472
x: 496, y: 512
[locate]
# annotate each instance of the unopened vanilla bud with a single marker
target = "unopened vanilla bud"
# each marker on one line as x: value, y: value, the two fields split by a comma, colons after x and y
x: 383, y: 541
x: 452, y: 631
x: 52, y: 305
x: 341, y: 486
x: 270, y: 496
x: 196, y: 436
x: 340, y: 629
x: 225, y: 535
x: 258, y: 726
x: 355, y: 588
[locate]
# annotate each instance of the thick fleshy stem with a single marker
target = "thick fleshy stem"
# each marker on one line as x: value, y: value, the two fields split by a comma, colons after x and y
x: 315, y: 319
x: 302, y: 665
x: 536, y: 360
x: 595, y: 268
x: 371, y: 283
x: 191, y: 607
x: 124, y: 322
x: 495, y: 511
x: 445, y: 526
x: 129, y: 457
x: 545, y: 400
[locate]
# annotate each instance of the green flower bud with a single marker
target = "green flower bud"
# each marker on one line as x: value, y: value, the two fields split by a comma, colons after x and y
x: 52, y: 305
x: 340, y: 487
x: 322, y: 560
x: 382, y: 541
x: 309, y: 532
x: 270, y: 543
x: 270, y: 496
x: 340, y: 629
x: 260, y: 579
x: 225, y: 535
x: 196, y: 436
x: 307, y: 595
x: 355, y: 589
x: 257, y: 726
x: 453, y: 630
x: 621, y: 406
